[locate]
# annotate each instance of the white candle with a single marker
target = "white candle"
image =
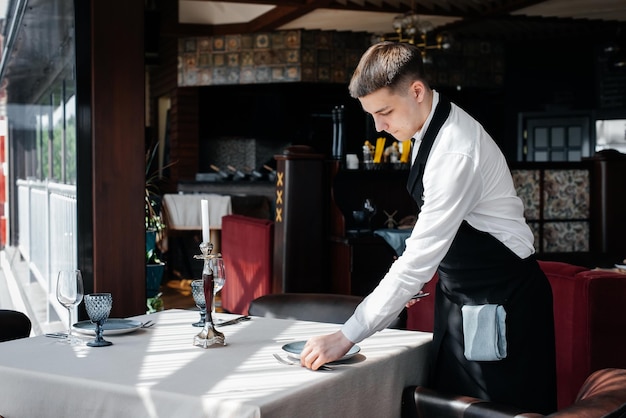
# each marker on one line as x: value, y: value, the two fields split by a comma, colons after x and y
x: 206, y: 232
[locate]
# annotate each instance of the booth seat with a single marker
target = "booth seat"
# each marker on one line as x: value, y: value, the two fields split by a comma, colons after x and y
x: 589, y: 319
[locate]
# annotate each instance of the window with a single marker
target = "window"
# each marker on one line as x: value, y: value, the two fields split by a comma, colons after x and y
x: 547, y: 137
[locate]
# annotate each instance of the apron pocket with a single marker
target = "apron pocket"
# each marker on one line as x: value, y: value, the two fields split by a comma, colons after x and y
x: 484, y: 332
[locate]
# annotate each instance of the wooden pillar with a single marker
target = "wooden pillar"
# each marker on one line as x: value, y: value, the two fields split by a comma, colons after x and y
x: 184, y: 134
x: 110, y: 115
x: 300, y: 228
x: 608, y: 207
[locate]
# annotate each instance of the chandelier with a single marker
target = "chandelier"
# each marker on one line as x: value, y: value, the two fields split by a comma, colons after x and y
x: 410, y: 28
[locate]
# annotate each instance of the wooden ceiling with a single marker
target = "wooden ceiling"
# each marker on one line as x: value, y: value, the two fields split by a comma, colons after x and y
x: 41, y: 50
x: 244, y: 16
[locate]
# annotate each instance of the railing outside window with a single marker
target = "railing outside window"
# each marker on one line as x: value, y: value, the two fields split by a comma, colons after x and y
x: 47, y: 233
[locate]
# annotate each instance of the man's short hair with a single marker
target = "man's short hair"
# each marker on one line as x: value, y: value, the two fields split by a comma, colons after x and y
x: 387, y: 64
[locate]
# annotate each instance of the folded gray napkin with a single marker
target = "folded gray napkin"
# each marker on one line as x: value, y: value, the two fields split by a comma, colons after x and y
x: 484, y: 332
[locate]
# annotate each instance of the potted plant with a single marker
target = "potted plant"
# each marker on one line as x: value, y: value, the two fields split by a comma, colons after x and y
x: 154, y: 273
x: 155, y: 226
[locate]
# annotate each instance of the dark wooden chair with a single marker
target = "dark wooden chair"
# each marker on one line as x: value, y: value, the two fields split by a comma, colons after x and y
x: 13, y: 325
x: 603, y: 395
x: 318, y: 307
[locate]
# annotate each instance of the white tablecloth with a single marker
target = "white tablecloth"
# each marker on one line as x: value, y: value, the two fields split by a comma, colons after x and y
x: 183, y: 210
x: 158, y: 372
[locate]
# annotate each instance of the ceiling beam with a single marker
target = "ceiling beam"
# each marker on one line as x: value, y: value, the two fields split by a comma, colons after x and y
x: 505, y: 7
x: 264, y: 2
x: 283, y: 13
x: 277, y: 17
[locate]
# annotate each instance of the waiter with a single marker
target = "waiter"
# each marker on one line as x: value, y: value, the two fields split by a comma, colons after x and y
x: 494, y: 329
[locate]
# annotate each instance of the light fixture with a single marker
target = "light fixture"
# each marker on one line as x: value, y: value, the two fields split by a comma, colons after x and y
x: 410, y: 28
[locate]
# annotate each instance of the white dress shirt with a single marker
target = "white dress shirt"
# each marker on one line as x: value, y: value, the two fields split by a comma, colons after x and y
x: 466, y: 177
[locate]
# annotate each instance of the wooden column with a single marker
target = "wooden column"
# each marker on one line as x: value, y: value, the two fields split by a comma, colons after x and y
x: 184, y: 134
x: 608, y: 228
x: 110, y: 55
x: 300, y: 228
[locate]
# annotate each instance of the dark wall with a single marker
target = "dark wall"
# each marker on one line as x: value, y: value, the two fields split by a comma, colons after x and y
x: 295, y: 113
x: 548, y: 76
x: 541, y: 75
x: 557, y: 74
x: 488, y: 106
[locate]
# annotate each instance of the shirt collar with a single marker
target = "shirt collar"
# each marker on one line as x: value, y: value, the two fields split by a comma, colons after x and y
x: 419, y: 134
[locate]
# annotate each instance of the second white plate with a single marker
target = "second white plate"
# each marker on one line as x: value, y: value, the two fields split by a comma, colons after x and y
x: 111, y: 327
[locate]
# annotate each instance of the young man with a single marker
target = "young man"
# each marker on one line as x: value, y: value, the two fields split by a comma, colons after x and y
x: 471, y: 230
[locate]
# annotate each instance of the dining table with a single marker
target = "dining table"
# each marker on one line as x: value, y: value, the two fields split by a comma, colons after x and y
x: 157, y: 371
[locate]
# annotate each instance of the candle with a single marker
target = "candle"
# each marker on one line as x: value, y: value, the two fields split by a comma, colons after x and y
x: 206, y: 234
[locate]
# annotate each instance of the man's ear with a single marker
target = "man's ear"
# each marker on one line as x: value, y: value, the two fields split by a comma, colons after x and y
x: 417, y: 88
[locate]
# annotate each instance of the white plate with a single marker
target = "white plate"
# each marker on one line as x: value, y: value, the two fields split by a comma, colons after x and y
x: 111, y: 327
x: 294, y: 349
x: 621, y: 266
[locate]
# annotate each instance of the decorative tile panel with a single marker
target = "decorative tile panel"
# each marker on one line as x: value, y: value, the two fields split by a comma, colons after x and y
x: 527, y: 187
x: 535, y: 227
x: 262, y: 41
x: 205, y: 59
x: 204, y: 45
x: 219, y: 44
x: 565, y: 237
x: 324, y: 56
x: 556, y: 206
x: 270, y: 57
x: 566, y: 194
x: 233, y: 43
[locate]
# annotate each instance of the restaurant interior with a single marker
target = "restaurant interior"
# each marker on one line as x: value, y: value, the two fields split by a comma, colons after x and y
x: 110, y: 109
x: 231, y: 93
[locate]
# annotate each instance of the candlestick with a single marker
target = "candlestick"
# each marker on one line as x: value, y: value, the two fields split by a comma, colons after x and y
x: 206, y: 231
x: 209, y: 336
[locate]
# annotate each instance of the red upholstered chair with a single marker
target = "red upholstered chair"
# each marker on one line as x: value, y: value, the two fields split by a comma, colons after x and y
x: 421, y: 316
x: 589, y: 321
x: 247, y: 248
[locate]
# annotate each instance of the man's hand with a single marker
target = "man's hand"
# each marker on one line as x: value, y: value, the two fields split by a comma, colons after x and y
x: 416, y: 298
x: 324, y: 349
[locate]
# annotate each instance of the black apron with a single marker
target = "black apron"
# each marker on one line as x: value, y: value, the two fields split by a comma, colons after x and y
x: 479, y: 269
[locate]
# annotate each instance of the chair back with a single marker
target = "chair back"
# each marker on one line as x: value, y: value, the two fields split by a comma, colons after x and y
x: 602, y: 395
x: 13, y: 325
x: 318, y: 307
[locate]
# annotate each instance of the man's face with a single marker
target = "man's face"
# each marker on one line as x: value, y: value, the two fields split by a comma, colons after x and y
x: 395, y: 113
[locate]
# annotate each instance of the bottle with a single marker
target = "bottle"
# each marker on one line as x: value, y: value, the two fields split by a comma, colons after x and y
x: 368, y: 156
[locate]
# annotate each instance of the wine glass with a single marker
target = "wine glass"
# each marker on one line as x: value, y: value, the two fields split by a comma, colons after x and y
x: 197, y: 290
x: 98, y: 307
x: 69, y: 294
x: 219, y: 277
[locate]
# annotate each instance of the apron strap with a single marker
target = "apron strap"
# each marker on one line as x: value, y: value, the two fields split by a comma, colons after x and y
x: 415, y: 186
